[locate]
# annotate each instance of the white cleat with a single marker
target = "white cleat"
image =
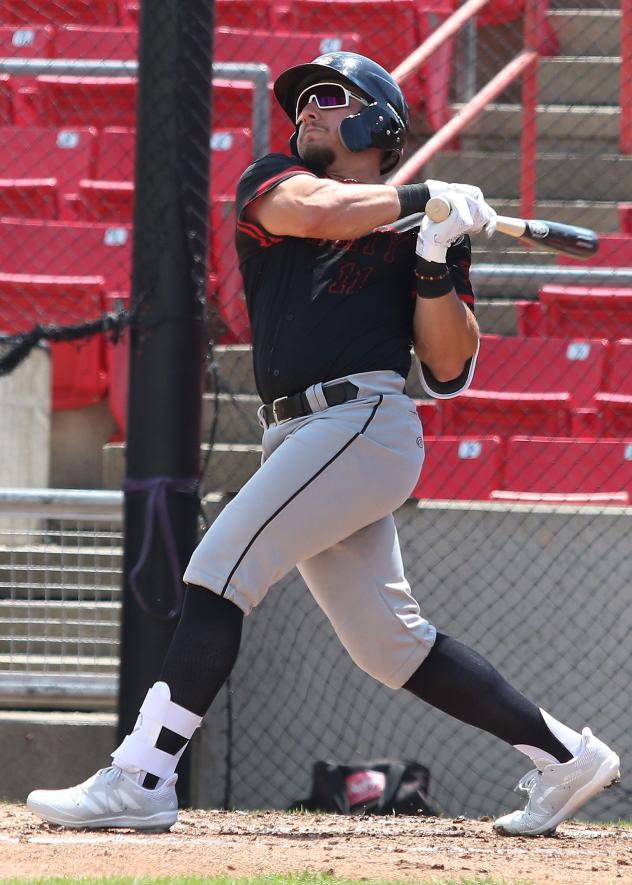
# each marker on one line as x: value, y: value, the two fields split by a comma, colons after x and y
x: 110, y: 798
x: 560, y: 789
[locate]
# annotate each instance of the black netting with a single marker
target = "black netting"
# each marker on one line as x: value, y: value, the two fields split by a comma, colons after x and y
x: 517, y: 537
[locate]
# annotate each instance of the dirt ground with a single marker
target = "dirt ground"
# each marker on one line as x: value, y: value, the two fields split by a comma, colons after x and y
x: 243, y: 843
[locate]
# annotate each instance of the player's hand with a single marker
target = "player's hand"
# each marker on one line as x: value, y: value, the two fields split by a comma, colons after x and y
x: 435, y: 237
x: 482, y: 213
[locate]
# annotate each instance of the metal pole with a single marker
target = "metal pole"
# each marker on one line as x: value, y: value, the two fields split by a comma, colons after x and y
x: 169, y: 282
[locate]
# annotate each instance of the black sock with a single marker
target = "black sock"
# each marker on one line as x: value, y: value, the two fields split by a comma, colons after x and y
x: 200, y: 658
x: 462, y: 683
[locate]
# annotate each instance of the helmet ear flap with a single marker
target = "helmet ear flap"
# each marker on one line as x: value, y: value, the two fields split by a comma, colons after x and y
x: 374, y: 127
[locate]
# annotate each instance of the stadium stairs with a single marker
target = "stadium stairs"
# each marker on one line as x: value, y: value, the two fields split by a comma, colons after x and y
x: 586, y: 72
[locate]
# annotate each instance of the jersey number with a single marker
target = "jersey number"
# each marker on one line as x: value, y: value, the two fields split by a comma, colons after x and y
x: 351, y: 279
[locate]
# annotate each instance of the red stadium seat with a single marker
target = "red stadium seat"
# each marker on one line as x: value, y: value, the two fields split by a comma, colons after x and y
x: 26, y: 42
x: 245, y: 14
x: 110, y: 196
x: 460, y: 468
x: 6, y: 100
x: 111, y: 101
x: 614, y: 403
x: 584, y: 471
x: 115, y: 154
x: 625, y: 218
x: 59, y: 12
x: 430, y: 416
x: 29, y: 197
x: 65, y: 155
x: 79, y: 375
x: 527, y: 385
x: 37, y: 258
x: 278, y: 49
x: 586, y: 311
x: 389, y: 31
x: 60, y: 248
x: 231, y: 153
x: 111, y: 201
x: 530, y: 319
x: 86, y: 101
x: 223, y: 262
x: 114, y: 44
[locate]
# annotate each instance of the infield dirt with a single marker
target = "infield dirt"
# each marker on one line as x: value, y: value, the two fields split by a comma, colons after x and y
x: 408, y: 849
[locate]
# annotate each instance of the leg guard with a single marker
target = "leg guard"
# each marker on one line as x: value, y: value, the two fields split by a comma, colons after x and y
x: 138, y: 752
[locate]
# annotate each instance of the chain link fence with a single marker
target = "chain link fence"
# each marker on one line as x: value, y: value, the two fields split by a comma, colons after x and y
x: 517, y: 539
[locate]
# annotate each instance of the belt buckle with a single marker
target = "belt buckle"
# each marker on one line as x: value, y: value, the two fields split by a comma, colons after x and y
x: 274, y: 409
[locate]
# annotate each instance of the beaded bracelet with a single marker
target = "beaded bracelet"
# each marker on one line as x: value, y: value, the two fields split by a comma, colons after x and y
x: 432, y: 285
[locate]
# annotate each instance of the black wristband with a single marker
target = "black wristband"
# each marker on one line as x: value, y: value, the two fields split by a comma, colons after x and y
x: 433, y: 279
x: 412, y: 198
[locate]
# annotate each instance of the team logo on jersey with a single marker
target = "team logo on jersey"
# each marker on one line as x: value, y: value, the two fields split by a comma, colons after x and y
x: 538, y: 229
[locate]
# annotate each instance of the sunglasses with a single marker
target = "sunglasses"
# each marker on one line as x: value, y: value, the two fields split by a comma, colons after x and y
x: 326, y: 96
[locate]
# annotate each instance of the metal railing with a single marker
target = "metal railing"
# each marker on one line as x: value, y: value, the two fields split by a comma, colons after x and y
x: 523, y: 65
x: 60, y: 597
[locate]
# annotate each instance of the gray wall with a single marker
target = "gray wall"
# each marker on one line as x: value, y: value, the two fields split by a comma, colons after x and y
x: 545, y: 595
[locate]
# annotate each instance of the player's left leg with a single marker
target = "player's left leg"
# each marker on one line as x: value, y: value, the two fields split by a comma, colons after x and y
x: 360, y: 585
x: 570, y: 768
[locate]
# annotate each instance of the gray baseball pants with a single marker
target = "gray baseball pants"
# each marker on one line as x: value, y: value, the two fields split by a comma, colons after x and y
x: 323, y: 501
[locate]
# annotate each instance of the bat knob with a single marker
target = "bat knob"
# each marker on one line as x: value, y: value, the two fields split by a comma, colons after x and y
x: 438, y: 208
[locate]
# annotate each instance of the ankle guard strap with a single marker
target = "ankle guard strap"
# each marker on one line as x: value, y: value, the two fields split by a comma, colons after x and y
x: 138, y: 750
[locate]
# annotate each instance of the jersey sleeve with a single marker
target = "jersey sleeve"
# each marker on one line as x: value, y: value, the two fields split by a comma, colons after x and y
x: 260, y: 178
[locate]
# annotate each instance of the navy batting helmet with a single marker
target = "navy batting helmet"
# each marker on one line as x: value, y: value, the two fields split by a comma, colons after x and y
x: 383, y: 124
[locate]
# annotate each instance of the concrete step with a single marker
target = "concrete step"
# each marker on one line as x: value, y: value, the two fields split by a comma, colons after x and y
x: 587, y: 80
x: 79, y: 744
x: 236, y: 415
x: 584, y: 127
x: 230, y: 467
x: 605, y: 178
x: 587, y: 31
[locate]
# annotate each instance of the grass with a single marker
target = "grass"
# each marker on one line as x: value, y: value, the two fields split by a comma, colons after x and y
x: 279, y: 879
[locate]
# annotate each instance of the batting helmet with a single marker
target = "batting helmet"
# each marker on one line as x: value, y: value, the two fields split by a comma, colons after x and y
x: 383, y: 124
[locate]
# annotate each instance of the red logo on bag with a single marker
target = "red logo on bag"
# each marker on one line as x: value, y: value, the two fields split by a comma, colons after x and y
x: 364, y: 786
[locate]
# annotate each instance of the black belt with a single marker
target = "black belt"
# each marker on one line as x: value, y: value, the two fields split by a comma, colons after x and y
x: 297, y: 405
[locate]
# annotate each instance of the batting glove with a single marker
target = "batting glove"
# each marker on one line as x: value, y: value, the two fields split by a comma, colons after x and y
x: 483, y: 216
x: 435, y: 237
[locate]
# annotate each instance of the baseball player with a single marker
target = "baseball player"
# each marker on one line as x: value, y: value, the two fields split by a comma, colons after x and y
x: 336, y: 299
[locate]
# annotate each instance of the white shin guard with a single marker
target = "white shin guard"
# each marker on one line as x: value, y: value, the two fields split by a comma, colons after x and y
x: 138, y: 751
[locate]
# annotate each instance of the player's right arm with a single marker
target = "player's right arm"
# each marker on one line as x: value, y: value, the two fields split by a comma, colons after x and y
x: 280, y: 197
x: 320, y: 208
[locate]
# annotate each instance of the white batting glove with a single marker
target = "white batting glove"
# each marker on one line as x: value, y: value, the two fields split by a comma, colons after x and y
x: 435, y: 237
x: 483, y: 216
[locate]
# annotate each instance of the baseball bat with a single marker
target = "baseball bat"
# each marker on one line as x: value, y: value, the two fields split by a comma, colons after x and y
x: 580, y: 242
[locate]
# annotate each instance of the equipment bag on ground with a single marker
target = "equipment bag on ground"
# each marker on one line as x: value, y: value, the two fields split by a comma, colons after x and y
x: 380, y: 786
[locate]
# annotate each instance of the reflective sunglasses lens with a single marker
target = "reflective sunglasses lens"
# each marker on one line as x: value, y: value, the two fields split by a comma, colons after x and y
x: 331, y: 97
x: 327, y: 96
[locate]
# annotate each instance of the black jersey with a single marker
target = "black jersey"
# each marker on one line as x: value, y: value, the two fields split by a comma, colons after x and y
x: 321, y: 309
